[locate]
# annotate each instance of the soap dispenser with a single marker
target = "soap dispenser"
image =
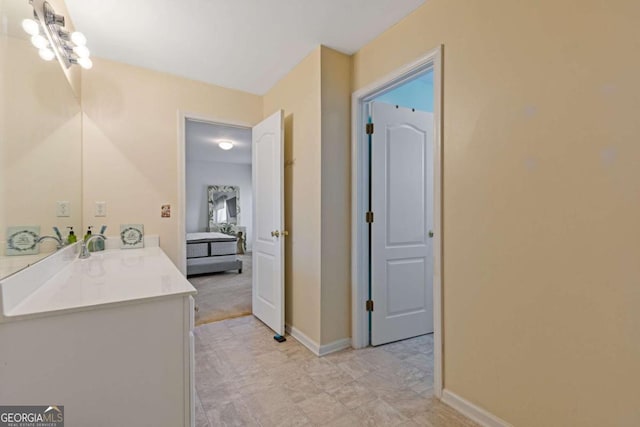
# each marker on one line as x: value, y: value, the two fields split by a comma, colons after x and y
x: 72, y: 238
x: 87, y: 237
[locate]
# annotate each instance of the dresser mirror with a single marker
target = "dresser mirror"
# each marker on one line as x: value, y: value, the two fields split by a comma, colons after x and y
x: 224, y: 206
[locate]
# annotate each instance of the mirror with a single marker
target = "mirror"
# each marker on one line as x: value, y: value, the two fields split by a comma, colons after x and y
x: 40, y: 146
x: 224, y: 206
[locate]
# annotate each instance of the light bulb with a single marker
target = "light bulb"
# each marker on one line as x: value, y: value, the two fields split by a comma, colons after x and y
x: 81, y: 51
x: 40, y: 42
x: 78, y: 38
x: 225, y: 145
x: 85, y: 63
x: 30, y: 27
x: 46, y: 54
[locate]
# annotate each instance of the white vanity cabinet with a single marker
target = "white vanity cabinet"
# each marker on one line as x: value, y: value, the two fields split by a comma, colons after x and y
x: 110, y: 338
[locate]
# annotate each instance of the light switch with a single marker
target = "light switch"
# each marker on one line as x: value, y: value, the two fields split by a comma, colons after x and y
x: 101, y: 209
x: 63, y: 208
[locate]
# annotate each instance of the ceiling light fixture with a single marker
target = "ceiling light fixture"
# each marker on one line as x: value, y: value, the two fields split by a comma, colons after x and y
x: 78, y: 38
x: 85, y: 63
x: 39, y: 42
x: 225, y: 145
x: 46, y: 54
x: 31, y: 26
x: 49, y: 36
x: 81, y: 51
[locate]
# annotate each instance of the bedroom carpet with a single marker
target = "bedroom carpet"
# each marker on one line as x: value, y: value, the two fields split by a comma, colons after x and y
x: 223, y: 295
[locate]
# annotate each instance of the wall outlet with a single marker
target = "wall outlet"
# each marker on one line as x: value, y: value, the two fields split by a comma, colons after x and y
x: 63, y: 208
x: 101, y: 209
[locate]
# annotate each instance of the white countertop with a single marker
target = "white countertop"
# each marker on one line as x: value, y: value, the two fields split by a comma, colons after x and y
x: 110, y: 277
x: 11, y: 264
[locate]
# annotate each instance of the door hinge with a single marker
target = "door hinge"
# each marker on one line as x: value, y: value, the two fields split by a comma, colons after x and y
x: 369, y: 129
x: 369, y: 305
x: 369, y: 217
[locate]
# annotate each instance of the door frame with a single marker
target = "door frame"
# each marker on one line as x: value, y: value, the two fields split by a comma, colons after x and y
x: 182, y: 176
x: 359, y: 195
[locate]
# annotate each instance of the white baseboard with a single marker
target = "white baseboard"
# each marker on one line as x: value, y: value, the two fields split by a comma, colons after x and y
x: 303, y: 339
x: 476, y: 413
x: 314, y: 347
x: 335, y: 346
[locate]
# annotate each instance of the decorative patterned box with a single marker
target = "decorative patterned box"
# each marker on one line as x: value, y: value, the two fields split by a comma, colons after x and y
x: 23, y: 240
x: 131, y: 236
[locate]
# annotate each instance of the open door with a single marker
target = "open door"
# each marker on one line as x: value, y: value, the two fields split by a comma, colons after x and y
x: 268, y: 222
x: 402, y: 201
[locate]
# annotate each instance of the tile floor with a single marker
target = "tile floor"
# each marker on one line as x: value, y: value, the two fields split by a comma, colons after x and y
x: 245, y: 378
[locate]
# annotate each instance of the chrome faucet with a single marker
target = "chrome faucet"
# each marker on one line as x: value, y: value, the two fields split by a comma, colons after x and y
x: 84, y: 249
x: 59, y: 242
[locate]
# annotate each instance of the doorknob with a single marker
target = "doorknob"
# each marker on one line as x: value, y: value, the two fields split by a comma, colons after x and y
x: 285, y: 233
x: 430, y: 233
x: 275, y: 233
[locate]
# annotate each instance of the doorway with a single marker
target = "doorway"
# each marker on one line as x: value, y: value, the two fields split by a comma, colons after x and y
x: 401, y: 235
x: 266, y: 236
x: 219, y: 218
x: 405, y: 246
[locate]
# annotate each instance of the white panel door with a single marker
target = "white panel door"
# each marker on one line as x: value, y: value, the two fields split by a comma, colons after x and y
x: 268, y: 222
x: 402, y: 202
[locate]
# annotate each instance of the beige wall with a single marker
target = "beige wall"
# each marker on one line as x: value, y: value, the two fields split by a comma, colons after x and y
x: 315, y: 98
x: 298, y: 94
x: 130, y: 142
x: 541, y: 202
x: 335, y: 196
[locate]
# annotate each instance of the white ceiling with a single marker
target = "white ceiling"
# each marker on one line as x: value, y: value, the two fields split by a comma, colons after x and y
x: 202, y: 143
x: 242, y: 44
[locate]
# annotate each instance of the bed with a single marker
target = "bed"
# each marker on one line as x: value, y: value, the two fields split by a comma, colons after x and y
x: 211, y: 252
